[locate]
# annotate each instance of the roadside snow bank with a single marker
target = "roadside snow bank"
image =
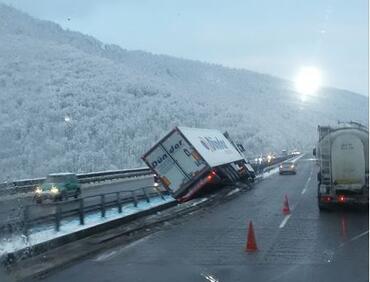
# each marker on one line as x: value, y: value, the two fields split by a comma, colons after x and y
x: 45, y: 233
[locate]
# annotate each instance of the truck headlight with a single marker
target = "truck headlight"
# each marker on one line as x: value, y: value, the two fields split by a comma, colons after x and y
x: 54, y: 190
x: 38, y: 190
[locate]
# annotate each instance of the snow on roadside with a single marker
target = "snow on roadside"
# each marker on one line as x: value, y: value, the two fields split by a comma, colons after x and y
x: 68, y: 226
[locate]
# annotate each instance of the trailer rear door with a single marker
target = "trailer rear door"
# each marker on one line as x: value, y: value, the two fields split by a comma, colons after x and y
x: 186, y: 157
x: 166, y: 168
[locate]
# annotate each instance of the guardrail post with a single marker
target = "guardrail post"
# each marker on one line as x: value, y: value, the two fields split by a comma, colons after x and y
x: 134, y: 198
x: 146, y: 195
x: 119, y: 204
x: 102, y: 205
x: 25, y: 220
x: 159, y: 192
x: 81, y: 211
x: 57, y: 217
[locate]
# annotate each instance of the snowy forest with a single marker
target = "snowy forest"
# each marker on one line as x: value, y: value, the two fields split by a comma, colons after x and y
x: 69, y: 102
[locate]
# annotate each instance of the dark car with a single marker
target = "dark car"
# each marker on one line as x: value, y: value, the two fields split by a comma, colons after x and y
x: 58, y: 186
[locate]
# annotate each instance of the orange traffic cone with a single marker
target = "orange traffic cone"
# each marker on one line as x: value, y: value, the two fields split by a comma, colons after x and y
x: 286, y: 209
x: 251, y: 240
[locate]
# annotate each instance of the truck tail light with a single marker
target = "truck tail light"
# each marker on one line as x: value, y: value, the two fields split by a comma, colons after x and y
x: 341, y: 198
x: 211, y: 175
x: 326, y: 199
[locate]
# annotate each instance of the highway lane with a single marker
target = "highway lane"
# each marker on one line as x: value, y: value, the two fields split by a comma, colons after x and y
x: 209, y: 246
x: 11, y: 209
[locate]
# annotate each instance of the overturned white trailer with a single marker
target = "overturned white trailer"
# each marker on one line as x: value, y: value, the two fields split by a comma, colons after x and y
x: 187, y: 159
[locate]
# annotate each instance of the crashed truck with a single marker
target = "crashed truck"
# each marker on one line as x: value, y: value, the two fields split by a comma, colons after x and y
x: 342, y: 153
x: 187, y: 160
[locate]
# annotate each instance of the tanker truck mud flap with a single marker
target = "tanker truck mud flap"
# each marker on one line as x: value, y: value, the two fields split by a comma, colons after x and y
x: 324, y: 199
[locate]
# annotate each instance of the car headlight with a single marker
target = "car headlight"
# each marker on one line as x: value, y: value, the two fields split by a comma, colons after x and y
x: 54, y: 190
x: 38, y: 190
x: 281, y: 166
x: 156, y: 184
x: 292, y: 166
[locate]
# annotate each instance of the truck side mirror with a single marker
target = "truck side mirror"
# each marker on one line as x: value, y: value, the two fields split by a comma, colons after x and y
x: 314, y: 151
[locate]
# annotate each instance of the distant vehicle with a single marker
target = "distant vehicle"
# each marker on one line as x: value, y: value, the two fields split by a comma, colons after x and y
x: 58, y: 186
x: 288, y: 168
x: 188, y: 159
x: 343, y: 156
x: 284, y: 153
x: 156, y: 180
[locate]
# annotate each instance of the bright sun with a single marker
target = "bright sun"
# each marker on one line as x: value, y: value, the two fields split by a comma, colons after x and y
x: 308, y: 80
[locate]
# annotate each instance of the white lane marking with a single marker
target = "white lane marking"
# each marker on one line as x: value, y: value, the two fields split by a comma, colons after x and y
x: 209, y: 277
x: 296, y: 159
x: 199, y: 202
x: 110, y: 254
x: 105, y: 256
x: 285, y: 220
x: 355, y: 238
x: 306, y: 185
x: 236, y: 190
x: 307, y: 182
x: 359, y: 236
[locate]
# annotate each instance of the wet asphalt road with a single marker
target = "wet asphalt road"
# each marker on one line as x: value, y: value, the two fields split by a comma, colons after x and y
x: 209, y: 245
x: 11, y: 209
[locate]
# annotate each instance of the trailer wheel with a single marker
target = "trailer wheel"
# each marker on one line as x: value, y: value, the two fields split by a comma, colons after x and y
x: 321, y: 205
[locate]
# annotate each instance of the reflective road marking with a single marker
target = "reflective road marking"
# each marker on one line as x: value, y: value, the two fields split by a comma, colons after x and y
x: 285, y: 220
x: 307, y: 182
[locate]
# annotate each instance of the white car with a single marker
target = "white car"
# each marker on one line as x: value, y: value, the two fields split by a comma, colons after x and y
x: 288, y: 168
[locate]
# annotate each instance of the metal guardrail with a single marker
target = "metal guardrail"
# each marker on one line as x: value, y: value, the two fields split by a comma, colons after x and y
x: 28, y: 185
x: 81, y: 207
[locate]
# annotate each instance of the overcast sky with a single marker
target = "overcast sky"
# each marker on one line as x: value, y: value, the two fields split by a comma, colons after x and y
x: 269, y: 36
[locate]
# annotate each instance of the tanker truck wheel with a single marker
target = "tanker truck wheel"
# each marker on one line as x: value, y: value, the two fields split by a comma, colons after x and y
x: 320, y: 204
x: 322, y: 207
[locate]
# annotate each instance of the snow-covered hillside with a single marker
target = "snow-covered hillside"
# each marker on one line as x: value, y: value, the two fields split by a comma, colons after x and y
x: 71, y: 103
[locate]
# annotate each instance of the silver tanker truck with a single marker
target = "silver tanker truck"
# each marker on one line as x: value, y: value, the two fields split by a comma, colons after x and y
x: 342, y: 154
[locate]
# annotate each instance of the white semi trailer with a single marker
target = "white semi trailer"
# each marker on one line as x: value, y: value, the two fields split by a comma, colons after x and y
x: 189, y: 159
x: 342, y: 153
